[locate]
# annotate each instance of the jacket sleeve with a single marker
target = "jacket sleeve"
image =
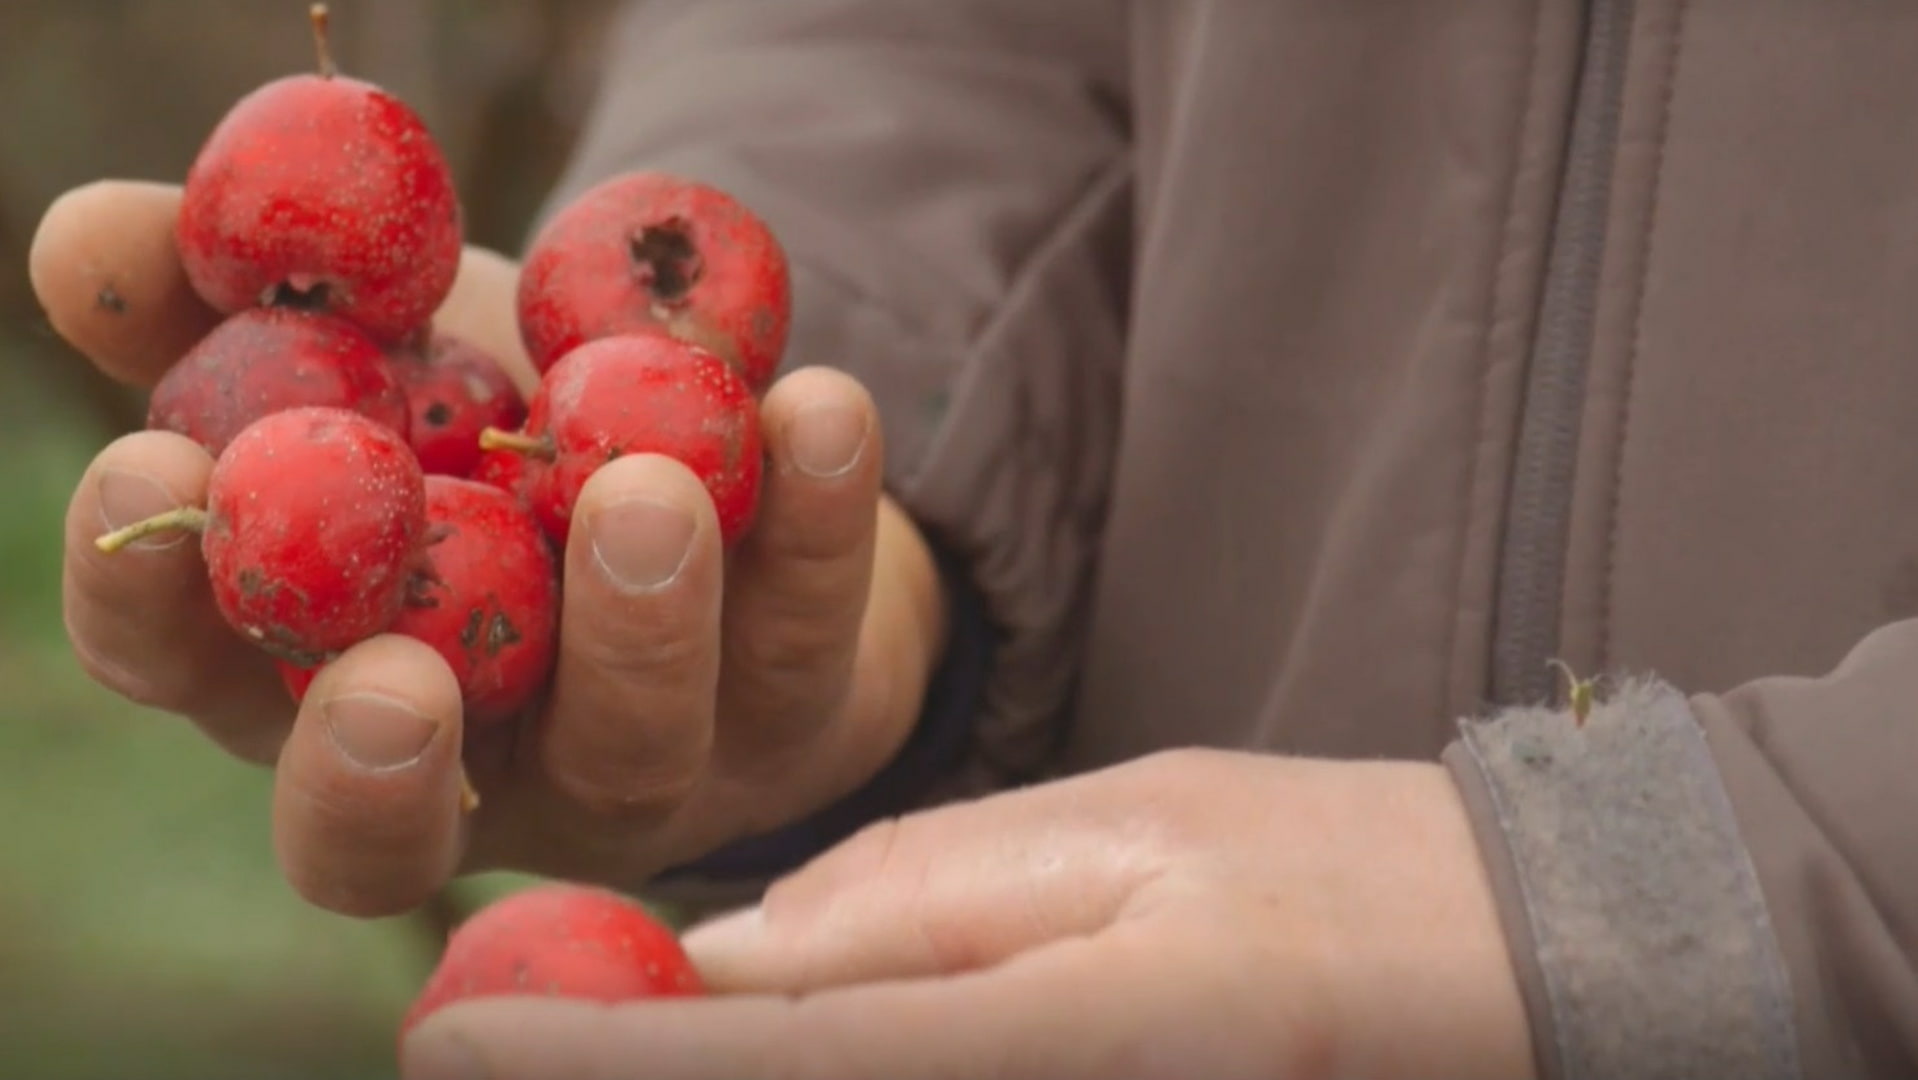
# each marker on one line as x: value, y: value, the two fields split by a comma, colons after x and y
x: 1713, y: 884
x: 951, y: 182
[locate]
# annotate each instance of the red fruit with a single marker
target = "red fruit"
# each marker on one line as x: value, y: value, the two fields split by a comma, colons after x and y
x: 298, y: 679
x: 491, y: 603
x: 558, y: 940
x: 505, y: 469
x: 266, y: 360
x: 455, y: 391
x: 650, y: 251
x: 323, y: 192
x: 637, y: 394
x: 311, y: 531
x: 488, y: 600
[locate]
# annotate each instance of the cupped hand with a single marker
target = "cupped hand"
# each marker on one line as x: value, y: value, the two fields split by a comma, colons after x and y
x: 698, y: 696
x: 1192, y: 914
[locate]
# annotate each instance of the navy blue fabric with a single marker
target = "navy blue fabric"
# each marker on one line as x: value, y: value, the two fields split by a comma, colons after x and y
x: 937, y: 744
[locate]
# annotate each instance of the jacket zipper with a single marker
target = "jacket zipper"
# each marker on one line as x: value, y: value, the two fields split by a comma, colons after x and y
x: 1538, y: 510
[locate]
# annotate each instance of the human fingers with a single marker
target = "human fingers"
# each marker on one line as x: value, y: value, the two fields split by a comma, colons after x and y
x: 798, y: 588
x: 942, y: 891
x: 367, y: 797
x: 1137, y: 1003
x: 629, y: 727
x: 142, y: 620
x: 106, y: 272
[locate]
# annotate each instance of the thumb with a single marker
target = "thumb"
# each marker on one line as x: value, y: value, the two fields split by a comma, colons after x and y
x: 945, y: 891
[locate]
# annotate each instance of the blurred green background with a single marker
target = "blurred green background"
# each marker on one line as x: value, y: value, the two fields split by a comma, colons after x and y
x: 145, y: 931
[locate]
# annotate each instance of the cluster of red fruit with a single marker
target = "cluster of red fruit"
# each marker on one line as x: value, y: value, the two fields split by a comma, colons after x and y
x: 376, y: 475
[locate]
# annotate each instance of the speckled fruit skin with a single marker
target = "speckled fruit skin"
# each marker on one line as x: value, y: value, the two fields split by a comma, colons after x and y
x: 491, y: 604
x: 454, y: 390
x: 329, y: 187
x: 645, y: 393
x: 265, y: 360
x: 558, y: 940
x: 510, y: 472
x: 595, y: 270
x: 315, y: 518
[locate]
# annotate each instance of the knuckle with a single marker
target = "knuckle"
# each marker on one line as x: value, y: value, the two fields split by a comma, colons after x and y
x: 813, y: 538
x: 639, y: 646
x: 167, y: 694
x: 788, y: 648
x: 347, y: 895
x: 351, y: 855
x: 628, y: 788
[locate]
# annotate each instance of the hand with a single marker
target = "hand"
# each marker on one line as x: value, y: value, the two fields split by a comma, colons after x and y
x: 684, y: 714
x: 1193, y: 914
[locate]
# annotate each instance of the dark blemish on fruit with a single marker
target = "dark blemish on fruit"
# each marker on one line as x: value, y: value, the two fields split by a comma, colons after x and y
x: 251, y: 581
x: 280, y: 641
x: 438, y: 414
x: 667, y: 263
x: 108, y: 299
x: 500, y: 632
x: 419, y: 591
x: 470, y: 633
x: 286, y: 295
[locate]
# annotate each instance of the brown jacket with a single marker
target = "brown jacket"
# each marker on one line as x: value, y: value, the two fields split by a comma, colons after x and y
x: 1302, y: 375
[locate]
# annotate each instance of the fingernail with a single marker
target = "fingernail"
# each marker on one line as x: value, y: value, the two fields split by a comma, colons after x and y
x: 642, y: 545
x: 127, y: 497
x: 827, y: 439
x: 725, y: 937
x: 378, y: 733
x: 439, y: 1054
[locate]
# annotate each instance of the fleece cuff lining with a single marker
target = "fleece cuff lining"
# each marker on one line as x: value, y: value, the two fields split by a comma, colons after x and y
x: 1642, y: 941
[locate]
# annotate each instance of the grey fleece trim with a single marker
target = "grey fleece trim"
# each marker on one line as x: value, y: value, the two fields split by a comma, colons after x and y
x: 1655, y: 956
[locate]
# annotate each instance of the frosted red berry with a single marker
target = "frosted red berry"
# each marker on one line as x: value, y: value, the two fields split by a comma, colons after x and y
x: 265, y: 360
x: 325, y: 192
x: 454, y: 390
x: 311, y: 531
x: 635, y: 394
x: 489, y: 602
x: 648, y: 250
x: 558, y: 940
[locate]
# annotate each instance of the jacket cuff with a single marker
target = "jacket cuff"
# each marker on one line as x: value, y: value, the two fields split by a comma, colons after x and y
x: 939, y: 742
x: 1634, y: 915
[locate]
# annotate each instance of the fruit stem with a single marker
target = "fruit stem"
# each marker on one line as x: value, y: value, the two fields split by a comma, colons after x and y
x: 185, y: 519
x: 318, y: 14
x: 469, y: 795
x: 493, y: 438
